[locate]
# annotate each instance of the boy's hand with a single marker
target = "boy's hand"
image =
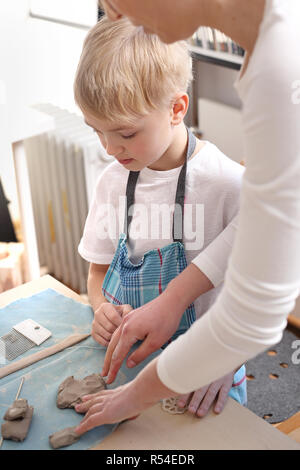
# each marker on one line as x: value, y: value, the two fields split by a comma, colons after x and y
x: 107, y: 318
x: 201, y: 400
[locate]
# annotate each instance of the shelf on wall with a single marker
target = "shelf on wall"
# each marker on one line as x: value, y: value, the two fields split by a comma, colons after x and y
x: 224, y: 59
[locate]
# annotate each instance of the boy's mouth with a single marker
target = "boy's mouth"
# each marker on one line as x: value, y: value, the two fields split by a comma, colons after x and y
x: 126, y: 161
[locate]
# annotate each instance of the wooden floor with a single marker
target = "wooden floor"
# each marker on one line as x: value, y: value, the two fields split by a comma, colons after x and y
x: 291, y: 427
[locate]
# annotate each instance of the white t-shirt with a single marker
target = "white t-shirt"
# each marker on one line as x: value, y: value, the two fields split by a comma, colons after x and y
x: 211, y: 203
x: 263, y: 277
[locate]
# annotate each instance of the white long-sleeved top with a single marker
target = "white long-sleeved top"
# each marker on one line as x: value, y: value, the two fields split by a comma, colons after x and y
x: 263, y: 276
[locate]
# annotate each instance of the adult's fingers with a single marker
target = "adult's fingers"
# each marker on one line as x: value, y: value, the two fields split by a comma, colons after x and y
x: 110, y: 350
x: 183, y: 400
x: 120, y: 344
x: 148, y: 346
x: 222, y: 398
x: 208, y: 399
x: 87, y: 401
x: 197, y: 399
x: 89, y: 423
x: 124, y: 344
x: 86, y: 405
x: 110, y: 353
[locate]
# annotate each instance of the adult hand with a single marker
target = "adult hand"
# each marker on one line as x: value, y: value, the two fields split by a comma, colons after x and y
x: 125, y: 402
x: 153, y: 323
x: 106, y: 407
x: 201, y: 400
x: 107, y: 318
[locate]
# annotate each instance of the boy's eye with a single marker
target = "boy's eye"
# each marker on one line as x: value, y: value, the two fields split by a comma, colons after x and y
x: 129, y: 136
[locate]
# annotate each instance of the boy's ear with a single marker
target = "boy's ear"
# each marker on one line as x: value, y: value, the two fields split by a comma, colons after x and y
x: 179, y: 108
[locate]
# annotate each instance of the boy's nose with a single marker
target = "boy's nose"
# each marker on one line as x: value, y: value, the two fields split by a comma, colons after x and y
x: 113, y: 149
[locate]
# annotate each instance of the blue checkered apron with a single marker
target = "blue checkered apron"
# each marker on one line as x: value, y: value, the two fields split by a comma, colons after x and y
x: 138, y: 283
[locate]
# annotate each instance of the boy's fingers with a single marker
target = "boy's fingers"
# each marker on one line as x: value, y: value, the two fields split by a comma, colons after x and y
x: 126, y: 309
x: 100, y: 339
x: 101, y: 331
x: 108, y: 317
x: 123, y: 310
x: 113, y: 314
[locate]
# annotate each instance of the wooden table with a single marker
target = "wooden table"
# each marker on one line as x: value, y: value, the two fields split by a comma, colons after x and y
x: 235, y: 428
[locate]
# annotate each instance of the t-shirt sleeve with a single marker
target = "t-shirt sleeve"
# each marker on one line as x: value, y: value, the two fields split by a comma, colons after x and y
x: 213, y: 260
x: 263, y: 278
x: 101, y: 230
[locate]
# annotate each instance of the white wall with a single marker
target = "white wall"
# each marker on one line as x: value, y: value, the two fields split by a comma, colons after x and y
x: 216, y: 83
x: 216, y: 107
x: 38, y: 60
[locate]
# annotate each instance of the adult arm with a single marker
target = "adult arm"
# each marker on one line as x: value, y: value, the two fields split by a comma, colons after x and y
x: 263, y: 278
x: 155, y: 322
x: 115, y: 405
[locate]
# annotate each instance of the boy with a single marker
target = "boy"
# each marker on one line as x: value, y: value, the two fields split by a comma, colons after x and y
x: 132, y: 89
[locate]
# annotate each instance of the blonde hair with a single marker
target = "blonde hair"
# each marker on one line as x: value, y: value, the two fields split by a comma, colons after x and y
x: 125, y: 73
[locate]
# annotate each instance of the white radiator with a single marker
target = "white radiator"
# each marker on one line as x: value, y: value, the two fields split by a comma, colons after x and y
x: 63, y: 165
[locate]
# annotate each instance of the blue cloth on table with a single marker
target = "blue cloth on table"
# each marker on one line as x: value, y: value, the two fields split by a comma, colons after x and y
x: 62, y: 316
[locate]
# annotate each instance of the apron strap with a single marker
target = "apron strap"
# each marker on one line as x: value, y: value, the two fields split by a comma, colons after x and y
x: 178, y: 217
x: 130, y: 190
x: 177, y: 230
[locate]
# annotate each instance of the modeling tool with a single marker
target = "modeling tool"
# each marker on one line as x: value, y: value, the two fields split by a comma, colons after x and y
x: 17, y: 396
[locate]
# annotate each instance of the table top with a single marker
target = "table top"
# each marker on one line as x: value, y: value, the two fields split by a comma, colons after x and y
x: 234, y: 429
